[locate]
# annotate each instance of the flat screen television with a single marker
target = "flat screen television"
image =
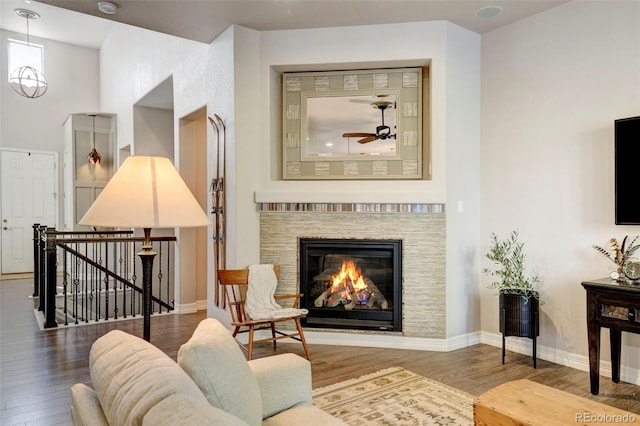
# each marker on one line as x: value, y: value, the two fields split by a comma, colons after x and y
x: 627, y: 171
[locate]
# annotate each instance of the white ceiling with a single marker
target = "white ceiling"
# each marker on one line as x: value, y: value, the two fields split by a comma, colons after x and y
x: 55, y: 24
x: 204, y: 20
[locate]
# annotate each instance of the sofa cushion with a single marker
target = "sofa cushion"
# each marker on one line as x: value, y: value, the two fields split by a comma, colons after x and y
x: 290, y: 374
x: 182, y: 410
x: 304, y: 414
x: 85, y: 407
x: 215, y: 362
x: 130, y: 376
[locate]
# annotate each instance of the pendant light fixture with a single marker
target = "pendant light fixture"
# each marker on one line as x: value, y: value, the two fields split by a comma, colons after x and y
x: 94, y: 157
x: 26, y: 80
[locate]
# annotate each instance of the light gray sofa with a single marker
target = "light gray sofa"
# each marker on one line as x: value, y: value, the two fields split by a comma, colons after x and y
x: 212, y: 384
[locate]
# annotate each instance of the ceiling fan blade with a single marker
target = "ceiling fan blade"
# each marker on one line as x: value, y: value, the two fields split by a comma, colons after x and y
x: 357, y: 135
x: 369, y: 139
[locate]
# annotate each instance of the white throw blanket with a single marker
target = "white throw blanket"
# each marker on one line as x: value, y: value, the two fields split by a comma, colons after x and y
x: 260, y: 303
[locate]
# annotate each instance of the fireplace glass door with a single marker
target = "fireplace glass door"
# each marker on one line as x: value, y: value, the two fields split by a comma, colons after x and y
x: 348, y: 283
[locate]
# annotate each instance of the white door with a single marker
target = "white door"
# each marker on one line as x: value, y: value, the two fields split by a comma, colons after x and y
x: 28, y: 186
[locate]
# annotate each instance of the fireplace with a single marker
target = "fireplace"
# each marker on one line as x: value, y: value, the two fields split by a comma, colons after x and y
x: 352, y: 284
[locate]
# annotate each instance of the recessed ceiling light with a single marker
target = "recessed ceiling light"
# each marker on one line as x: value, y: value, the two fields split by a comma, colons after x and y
x: 107, y: 7
x: 489, y: 11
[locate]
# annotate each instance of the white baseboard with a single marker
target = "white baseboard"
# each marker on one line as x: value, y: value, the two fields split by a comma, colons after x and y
x: 391, y: 340
x: 190, y: 308
x: 523, y: 345
x: 513, y: 344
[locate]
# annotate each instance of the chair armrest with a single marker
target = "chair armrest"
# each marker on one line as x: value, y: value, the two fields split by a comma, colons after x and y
x: 284, y: 381
x: 296, y: 298
x: 85, y: 407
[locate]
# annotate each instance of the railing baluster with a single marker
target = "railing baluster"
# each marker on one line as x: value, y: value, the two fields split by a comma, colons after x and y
x: 85, y: 288
x: 169, y: 298
x: 96, y: 284
x: 76, y: 282
x: 64, y: 286
x: 134, y: 302
x: 117, y: 247
x: 159, y: 276
x: 102, y: 254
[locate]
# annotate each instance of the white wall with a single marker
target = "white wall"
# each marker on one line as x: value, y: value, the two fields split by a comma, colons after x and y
x: 153, y: 131
x: 134, y: 61
x: 552, y: 85
x: 72, y: 75
x: 462, y: 180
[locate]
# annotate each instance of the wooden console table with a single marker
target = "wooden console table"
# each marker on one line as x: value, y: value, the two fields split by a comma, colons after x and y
x: 616, y: 306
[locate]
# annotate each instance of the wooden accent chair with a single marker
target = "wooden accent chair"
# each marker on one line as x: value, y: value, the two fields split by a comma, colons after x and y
x: 234, y: 284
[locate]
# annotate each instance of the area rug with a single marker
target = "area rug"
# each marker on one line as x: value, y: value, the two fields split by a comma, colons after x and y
x: 397, y: 397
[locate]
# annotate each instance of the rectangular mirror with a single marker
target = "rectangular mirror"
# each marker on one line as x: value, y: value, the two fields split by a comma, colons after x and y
x: 342, y: 126
x: 357, y: 124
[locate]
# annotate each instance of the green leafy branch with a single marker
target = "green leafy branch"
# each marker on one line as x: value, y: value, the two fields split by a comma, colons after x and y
x: 509, y: 257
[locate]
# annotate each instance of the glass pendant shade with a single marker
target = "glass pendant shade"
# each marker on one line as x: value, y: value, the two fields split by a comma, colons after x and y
x: 29, y: 82
x: 94, y: 156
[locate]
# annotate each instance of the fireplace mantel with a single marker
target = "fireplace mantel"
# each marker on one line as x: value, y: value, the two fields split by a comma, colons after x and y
x: 421, y: 227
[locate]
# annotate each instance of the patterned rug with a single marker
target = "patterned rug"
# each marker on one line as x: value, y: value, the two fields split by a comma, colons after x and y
x: 395, y: 397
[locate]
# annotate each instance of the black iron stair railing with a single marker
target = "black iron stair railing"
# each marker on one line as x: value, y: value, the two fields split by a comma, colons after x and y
x: 91, y: 276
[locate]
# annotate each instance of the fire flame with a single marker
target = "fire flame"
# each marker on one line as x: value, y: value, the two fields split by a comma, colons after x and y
x: 350, y: 280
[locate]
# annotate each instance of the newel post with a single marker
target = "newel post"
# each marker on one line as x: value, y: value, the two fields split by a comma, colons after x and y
x: 41, y: 267
x: 51, y: 269
x: 36, y: 260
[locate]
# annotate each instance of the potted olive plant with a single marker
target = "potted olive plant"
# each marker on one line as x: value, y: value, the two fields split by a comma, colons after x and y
x: 519, y: 294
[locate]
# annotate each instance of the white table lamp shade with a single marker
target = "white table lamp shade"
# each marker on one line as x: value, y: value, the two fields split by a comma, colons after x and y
x: 146, y: 192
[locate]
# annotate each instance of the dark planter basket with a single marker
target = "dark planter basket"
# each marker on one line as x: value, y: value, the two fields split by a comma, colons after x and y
x: 519, y: 316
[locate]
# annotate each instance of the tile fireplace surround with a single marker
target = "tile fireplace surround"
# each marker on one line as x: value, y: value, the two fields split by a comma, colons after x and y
x: 421, y: 227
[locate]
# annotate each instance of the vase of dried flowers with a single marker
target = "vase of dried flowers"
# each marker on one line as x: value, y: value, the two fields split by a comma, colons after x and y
x: 619, y: 254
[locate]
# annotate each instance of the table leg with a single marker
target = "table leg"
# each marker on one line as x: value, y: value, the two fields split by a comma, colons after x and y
x: 593, y: 329
x: 616, y: 342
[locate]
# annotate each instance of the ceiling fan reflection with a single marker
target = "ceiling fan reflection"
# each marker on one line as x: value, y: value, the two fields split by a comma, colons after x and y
x: 383, y: 132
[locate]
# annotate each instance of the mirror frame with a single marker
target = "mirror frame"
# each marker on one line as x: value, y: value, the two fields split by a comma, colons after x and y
x: 406, y: 83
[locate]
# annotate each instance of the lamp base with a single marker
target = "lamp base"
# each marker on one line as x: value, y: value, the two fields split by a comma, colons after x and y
x: 146, y: 256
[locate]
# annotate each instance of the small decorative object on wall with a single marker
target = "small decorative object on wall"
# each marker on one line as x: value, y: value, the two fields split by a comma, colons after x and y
x: 519, y: 294
x: 620, y: 255
x: 364, y: 124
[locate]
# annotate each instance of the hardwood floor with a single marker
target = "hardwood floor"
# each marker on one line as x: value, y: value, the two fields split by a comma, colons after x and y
x: 38, y: 368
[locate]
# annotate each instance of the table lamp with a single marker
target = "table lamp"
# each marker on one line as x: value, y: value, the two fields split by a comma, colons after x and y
x: 146, y: 192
